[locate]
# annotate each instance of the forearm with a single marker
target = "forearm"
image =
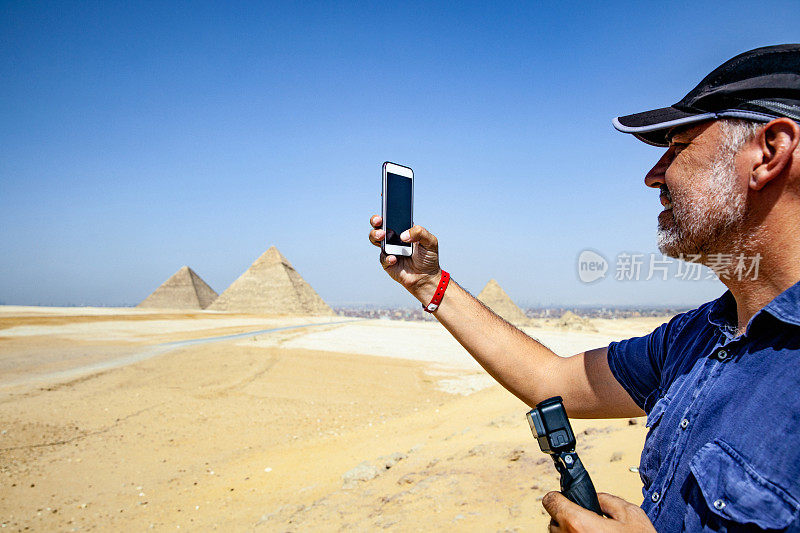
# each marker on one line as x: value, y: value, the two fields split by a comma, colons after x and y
x: 525, y: 367
x: 519, y: 363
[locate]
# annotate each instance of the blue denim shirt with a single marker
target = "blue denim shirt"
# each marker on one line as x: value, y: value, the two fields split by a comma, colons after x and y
x: 722, y: 452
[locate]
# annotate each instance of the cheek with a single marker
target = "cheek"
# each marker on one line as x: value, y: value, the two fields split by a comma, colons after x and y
x: 687, y: 177
x: 676, y: 173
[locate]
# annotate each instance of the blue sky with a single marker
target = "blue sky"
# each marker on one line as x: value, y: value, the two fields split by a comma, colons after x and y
x: 141, y: 136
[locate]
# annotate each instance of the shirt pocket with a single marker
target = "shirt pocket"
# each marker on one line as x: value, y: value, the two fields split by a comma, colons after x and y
x: 729, y: 494
x: 653, y: 444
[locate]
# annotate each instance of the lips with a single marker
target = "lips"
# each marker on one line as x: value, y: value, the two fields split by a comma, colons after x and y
x: 666, y: 198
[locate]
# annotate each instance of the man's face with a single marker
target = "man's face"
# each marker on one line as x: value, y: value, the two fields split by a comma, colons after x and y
x: 700, y: 192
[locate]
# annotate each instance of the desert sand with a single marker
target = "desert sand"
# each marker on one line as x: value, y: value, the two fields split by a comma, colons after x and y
x: 130, y: 419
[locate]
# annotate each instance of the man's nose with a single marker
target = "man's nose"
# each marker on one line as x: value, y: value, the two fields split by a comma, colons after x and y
x: 655, y: 178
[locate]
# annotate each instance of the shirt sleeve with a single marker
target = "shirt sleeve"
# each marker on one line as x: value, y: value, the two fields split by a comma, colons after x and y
x: 637, y: 363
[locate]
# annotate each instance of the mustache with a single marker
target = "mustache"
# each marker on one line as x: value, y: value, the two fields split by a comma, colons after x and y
x: 664, y: 191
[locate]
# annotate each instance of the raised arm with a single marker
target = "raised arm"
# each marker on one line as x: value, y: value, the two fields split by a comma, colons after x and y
x: 521, y: 364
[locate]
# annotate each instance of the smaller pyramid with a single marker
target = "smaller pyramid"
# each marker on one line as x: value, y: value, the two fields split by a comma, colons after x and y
x: 183, y: 290
x: 496, y: 299
x: 571, y: 321
x: 271, y: 286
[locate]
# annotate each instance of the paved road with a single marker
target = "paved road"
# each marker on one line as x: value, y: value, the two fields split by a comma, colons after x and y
x: 145, y: 352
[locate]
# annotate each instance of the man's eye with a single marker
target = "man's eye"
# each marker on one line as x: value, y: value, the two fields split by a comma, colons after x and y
x: 679, y: 146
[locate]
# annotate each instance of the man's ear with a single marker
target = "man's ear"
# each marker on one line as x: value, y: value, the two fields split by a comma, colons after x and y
x: 776, y: 143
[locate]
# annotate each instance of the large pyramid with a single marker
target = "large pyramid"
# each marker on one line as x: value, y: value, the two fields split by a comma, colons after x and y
x: 496, y: 299
x: 271, y: 286
x: 183, y: 290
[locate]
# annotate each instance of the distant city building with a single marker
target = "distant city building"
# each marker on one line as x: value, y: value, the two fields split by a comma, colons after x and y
x: 551, y: 313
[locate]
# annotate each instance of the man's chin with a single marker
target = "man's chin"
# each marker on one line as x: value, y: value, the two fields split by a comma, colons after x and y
x: 679, y: 248
x: 669, y: 251
x: 671, y: 244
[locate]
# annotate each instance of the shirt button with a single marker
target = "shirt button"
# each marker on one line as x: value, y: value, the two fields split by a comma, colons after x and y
x: 722, y: 355
x: 684, y: 423
x: 655, y: 497
x: 719, y: 505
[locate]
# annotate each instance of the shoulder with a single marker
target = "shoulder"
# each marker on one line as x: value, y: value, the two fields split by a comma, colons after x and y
x: 693, y: 321
x: 692, y: 327
x: 665, y: 334
x: 643, y: 365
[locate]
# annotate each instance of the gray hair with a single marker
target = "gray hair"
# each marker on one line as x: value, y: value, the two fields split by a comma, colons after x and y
x: 736, y: 132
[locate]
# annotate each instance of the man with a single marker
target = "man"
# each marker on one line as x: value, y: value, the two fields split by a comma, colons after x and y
x: 720, y: 384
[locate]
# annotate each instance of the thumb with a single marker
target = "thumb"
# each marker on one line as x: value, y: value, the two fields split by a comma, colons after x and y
x: 562, y: 510
x: 422, y: 236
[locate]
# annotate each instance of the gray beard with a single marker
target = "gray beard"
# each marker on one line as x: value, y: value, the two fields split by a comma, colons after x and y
x: 703, y: 221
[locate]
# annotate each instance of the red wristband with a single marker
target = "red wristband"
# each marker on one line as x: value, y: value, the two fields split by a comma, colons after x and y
x: 439, y: 294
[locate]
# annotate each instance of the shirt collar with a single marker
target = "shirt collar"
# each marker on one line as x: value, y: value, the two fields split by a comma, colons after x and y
x: 785, y: 307
x: 723, y: 311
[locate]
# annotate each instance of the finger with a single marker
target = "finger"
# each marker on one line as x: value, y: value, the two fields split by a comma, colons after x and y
x: 376, y: 221
x: 387, y: 260
x: 613, y: 506
x: 376, y: 236
x: 420, y: 235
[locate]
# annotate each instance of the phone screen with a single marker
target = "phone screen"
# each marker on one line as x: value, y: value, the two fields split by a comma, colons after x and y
x: 398, y: 208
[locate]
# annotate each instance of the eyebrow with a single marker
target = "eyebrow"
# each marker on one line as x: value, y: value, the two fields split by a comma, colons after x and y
x: 678, y: 131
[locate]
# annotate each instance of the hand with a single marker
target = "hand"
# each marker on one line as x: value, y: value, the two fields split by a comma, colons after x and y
x: 567, y: 516
x: 420, y: 273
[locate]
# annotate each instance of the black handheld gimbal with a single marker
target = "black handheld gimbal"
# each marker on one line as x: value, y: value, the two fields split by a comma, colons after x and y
x: 550, y: 426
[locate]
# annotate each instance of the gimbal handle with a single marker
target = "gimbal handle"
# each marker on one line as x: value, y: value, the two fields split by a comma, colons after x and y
x: 576, y: 484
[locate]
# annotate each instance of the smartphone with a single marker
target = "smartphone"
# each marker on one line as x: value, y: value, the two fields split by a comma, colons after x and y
x: 398, y: 201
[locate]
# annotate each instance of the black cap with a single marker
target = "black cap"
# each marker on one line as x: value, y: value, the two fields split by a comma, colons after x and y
x: 758, y: 85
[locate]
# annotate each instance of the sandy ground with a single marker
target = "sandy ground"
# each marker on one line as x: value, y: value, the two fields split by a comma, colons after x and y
x: 64, y: 341
x: 323, y: 428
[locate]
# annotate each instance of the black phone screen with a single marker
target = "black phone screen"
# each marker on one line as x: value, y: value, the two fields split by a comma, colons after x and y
x: 398, y: 208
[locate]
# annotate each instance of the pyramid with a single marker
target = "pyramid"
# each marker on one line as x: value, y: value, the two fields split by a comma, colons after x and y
x: 183, y: 290
x: 571, y: 321
x: 271, y: 286
x: 496, y: 299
